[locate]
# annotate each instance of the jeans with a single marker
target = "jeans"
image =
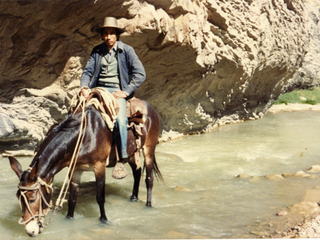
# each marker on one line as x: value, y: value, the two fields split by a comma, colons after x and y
x: 120, y: 127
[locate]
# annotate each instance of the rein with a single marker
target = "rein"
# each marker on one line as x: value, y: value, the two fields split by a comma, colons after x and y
x: 66, y: 183
x: 74, y: 158
x: 36, y: 186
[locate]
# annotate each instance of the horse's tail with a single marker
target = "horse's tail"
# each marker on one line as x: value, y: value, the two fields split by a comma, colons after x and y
x: 157, y: 172
x: 153, y: 128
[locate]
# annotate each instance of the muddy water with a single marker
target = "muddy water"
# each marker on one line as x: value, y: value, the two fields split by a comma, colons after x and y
x: 201, y: 196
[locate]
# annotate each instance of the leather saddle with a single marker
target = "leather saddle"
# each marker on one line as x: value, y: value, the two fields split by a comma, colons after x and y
x: 136, y: 110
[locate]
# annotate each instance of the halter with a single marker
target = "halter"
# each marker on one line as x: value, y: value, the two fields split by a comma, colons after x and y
x: 35, y: 187
x: 65, y: 185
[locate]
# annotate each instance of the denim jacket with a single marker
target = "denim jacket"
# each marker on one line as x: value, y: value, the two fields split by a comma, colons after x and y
x: 131, y: 70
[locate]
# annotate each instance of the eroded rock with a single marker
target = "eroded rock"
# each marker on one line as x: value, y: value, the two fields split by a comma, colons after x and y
x: 208, y: 63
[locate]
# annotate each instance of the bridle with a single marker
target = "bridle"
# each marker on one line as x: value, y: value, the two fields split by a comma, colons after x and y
x: 35, y: 187
x: 40, y: 182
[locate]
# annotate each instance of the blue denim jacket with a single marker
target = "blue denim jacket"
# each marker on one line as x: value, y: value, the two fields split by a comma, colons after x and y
x: 131, y: 70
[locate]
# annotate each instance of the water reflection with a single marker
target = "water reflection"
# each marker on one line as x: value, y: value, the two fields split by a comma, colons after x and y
x: 201, y: 198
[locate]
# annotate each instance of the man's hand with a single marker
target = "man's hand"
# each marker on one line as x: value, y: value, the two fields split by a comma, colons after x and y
x: 85, y: 92
x: 119, y: 94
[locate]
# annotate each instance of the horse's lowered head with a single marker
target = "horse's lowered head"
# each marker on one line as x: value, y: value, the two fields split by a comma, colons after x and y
x: 34, y: 196
x: 85, y: 137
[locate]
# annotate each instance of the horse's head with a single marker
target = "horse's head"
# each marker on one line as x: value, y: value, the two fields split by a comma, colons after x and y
x: 34, y: 196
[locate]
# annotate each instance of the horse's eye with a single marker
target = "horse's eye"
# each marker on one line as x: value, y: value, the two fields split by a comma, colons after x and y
x: 32, y: 200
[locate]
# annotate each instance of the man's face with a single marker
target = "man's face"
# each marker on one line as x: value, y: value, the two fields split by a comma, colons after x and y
x: 109, y: 35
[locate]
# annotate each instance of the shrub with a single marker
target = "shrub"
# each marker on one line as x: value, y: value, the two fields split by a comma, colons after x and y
x: 298, y: 96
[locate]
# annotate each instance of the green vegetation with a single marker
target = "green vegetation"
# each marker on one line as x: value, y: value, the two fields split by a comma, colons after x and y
x: 311, y: 96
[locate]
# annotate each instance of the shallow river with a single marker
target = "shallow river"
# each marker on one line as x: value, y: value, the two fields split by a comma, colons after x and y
x: 201, y: 196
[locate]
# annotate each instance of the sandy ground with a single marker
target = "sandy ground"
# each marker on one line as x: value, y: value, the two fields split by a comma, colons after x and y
x: 306, y: 229
x: 293, y: 107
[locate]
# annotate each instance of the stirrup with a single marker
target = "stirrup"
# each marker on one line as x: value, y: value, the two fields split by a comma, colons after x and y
x: 119, y: 171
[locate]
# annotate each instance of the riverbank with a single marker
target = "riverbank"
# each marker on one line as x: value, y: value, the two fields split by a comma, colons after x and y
x: 275, y: 108
x: 306, y: 229
x: 290, y: 107
x: 310, y: 226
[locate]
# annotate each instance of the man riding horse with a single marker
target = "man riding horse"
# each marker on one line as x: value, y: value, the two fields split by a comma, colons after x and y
x: 84, y: 140
x: 114, y: 66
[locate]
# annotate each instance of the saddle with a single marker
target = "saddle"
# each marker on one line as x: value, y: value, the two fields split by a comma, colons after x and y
x: 107, y: 105
x: 136, y: 113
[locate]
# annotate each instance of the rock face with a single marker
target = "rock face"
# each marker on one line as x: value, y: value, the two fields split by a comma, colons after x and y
x: 208, y: 62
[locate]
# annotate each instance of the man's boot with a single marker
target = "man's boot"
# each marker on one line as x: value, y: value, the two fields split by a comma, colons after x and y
x: 119, y: 171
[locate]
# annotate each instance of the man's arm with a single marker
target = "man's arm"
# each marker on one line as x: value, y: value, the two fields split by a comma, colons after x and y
x: 136, y: 70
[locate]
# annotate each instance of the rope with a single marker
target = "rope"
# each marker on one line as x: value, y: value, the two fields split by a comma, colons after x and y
x: 61, y: 200
x: 64, y: 189
x: 37, y: 186
x: 73, y: 162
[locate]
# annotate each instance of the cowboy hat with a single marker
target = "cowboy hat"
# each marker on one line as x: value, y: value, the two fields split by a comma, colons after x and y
x: 111, y: 22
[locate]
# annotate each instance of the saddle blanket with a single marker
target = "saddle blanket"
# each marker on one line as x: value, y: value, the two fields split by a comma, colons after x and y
x: 107, y: 105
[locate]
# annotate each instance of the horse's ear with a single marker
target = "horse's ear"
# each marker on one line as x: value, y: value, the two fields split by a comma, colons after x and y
x: 16, y: 167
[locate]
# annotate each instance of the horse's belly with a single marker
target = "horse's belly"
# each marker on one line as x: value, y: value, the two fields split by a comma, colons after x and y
x: 85, y: 167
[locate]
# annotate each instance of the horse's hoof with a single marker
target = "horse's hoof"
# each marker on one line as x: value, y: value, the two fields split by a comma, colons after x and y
x: 69, y: 217
x: 148, y: 205
x: 134, y: 199
x: 103, y: 220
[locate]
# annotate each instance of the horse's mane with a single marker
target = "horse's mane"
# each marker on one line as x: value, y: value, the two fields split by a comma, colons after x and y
x: 69, y: 123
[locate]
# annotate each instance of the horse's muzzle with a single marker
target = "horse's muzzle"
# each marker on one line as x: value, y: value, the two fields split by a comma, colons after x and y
x: 33, y: 228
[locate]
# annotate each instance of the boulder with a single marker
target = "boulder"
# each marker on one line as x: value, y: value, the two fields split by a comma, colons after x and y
x: 208, y: 63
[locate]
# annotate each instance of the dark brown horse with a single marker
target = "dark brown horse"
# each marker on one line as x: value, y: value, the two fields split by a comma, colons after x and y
x: 55, y: 153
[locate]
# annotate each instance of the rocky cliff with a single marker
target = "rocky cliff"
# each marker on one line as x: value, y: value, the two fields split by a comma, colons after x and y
x: 208, y: 62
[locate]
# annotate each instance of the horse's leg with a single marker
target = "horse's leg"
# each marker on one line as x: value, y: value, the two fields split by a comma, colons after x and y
x: 74, y: 189
x: 100, y: 181
x: 136, y: 176
x: 149, y: 156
